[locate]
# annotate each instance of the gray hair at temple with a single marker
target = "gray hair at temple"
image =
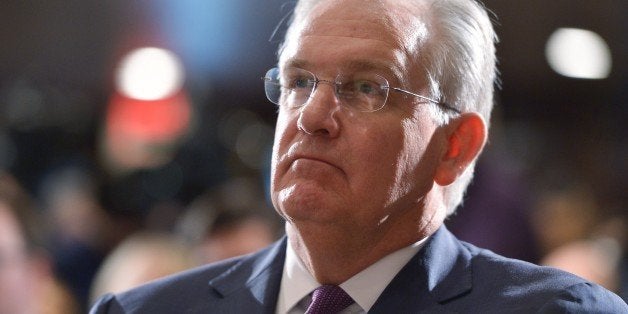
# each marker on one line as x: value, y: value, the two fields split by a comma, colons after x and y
x: 458, y: 56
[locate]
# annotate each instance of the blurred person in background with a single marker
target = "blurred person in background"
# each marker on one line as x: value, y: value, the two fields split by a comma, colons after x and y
x: 228, y: 221
x: 225, y: 222
x: 233, y: 234
x: 595, y: 259
x: 27, y: 283
x: 561, y: 215
x: 383, y: 111
x: 580, y: 237
x: 138, y: 259
x: 80, y: 228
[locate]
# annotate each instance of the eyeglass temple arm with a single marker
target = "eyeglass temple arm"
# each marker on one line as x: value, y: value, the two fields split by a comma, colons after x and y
x: 440, y: 103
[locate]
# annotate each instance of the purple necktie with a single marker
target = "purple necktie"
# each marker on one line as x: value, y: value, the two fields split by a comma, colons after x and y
x: 328, y: 299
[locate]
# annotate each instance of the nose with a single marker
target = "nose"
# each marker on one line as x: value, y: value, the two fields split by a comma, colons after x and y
x: 319, y: 115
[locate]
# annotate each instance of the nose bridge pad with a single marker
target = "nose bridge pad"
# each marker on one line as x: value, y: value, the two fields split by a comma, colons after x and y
x: 320, y: 118
x: 331, y: 84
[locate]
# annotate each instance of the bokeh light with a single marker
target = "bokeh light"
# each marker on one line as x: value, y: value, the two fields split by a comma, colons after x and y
x: 149, y: 73
x: 578, y: 53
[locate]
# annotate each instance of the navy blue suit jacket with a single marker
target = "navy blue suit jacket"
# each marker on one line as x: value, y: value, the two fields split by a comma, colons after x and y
x: 446, y: 276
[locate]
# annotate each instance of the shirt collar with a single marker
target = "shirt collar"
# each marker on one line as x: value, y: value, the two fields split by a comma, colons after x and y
x: 365, y: 287
x: 296, y: 282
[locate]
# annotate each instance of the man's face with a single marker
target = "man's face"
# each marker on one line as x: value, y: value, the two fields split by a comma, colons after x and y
x: 334, y: 166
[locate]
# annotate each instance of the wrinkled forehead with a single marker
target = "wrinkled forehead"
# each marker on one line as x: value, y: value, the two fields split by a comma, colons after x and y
x: 395, y: 23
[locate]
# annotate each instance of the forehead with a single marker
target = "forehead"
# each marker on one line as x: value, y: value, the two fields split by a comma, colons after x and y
x: 385, y: 31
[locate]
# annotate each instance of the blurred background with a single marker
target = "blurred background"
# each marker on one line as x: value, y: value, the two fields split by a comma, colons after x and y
x: 142, y: 126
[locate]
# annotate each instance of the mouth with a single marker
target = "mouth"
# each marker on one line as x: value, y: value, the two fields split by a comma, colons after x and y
x: 310, y: 159
x: 310, y: 162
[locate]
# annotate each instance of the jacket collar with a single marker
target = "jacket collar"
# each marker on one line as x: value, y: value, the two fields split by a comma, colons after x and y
x: 440, y: 272
x: 255, y: 279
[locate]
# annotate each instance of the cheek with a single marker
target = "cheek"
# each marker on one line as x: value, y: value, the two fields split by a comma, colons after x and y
x: 285, y: 131
x: 414, y: 143
x: 415, y: 163
x: 403, y: 146
x: 377, y: 155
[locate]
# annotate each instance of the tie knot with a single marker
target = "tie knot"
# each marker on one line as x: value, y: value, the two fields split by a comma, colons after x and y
x: 328, y: 299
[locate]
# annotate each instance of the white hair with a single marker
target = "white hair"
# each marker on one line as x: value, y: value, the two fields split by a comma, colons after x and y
x: 459, y: 64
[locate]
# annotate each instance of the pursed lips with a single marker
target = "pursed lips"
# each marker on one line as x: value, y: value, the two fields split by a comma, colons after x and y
x: 308, y: 152
x: 311, y: 158
x: 294, y: 158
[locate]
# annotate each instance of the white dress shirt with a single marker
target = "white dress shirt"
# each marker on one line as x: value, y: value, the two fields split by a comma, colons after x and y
x: 364, y: 288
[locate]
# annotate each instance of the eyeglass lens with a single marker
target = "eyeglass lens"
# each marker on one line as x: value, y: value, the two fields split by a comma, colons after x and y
x: 362, y: 91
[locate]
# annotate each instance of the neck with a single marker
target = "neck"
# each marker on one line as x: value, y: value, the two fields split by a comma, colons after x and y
x: 333, y: 255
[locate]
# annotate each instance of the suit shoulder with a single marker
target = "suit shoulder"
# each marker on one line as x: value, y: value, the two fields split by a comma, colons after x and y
x: 506, y: 271
x: 538, y: 287
x: 185, y: 292
x: 180, y: 288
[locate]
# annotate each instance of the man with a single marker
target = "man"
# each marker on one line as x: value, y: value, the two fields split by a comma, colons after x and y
x: 383, y: 110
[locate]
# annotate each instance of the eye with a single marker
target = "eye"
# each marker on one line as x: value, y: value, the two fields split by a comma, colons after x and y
x: 301, y: 82
x: 366, y: 87
x: 360, y: 88
x: 298, y: 79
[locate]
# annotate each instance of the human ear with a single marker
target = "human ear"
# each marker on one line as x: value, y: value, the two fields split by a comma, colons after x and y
x: 466, y: 136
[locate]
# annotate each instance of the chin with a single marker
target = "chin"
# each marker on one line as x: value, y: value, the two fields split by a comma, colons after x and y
x: 303, y: 209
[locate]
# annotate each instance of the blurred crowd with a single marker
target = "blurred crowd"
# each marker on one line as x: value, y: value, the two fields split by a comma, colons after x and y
x: 60, y: 253
x: 72, y: 241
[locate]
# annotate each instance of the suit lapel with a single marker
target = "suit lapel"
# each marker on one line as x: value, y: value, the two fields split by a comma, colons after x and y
x: 254, y: 282
x: 440, y: 272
